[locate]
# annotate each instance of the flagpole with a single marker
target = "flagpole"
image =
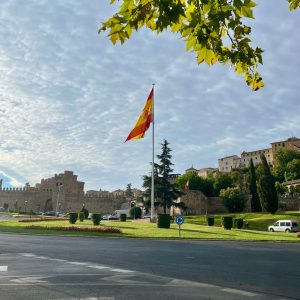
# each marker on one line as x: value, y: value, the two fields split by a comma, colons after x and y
x: 152, y: 177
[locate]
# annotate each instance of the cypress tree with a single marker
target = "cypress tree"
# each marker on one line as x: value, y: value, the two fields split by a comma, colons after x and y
x: 266, y: 188
x: 255, y: 202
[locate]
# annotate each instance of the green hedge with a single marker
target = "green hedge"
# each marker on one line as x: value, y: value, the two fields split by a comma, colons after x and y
x: 135, y: 212
x: 123, y: 217
x: 73, y: 217
x: 81, y: 216
x: 210, y: 220
x: 227, y: 222
x: 96, y: 218
x: 163, y: 220
x: 238, y: 223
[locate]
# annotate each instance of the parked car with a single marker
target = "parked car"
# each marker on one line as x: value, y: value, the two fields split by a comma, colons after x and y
x: 2, y: 209
x: 49, y: 213
x: 110, y: 217
x: 148, y: 216
x: 284, y: 226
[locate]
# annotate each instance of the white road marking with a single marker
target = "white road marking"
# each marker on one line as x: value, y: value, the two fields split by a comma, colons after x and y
x: 179, y: 282
x: 28, y: 254
x: 42, y: 257
x: 3, y: 268
x: 239, y: 292
x: 90, y: 298
x: 31, y: 279
x: 122, y: 279
x: 121, y: 271
x: 76, y: 263
x: 58, y: 259
x: 97, y: 267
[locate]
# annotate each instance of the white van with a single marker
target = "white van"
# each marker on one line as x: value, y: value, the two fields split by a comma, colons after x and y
x: 116, y: 214
x: 284, y: 226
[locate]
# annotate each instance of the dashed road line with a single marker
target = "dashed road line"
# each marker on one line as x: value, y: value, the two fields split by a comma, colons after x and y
x: 239, y: 292
x: 31, y: 279
x: 77, y: 263
x: 97, y: 267
x: 121, y: 271
x: 90, y: 298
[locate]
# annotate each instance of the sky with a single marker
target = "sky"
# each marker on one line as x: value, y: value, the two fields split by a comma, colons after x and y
x: 69, y: 98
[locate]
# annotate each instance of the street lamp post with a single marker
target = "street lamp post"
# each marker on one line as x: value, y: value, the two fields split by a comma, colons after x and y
x: 25, y: 206
x: 57, y: 199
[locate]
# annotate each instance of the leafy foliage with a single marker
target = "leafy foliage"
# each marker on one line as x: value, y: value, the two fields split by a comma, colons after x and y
x: 163, y: 221
x: 196, y: 182
x: 96, y: 218
x: 287, y: 165
x: 135, y: 212
x: 266, y: 188
x: 85, y: 212
x: 73, y: 217
x: 213, y: 29
x: 227, y: 222
x: 81, y: 216
x: 222, y: 181
x: 210, y: 220
x: 255, y: 202
x: 128, y: 192
x: 233, y: 199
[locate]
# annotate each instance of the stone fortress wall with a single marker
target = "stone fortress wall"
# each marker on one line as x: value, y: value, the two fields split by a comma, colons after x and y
x: 63, y: 193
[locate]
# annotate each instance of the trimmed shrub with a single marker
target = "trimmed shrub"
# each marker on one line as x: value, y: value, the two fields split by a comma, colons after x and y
x: 227, y: 222
x: 85, y: 212
x: 238, y: 223
x: 81, y: 216
x: 123, y: 217
x: 96, y: 218
x: 163, y: 221
x: 73, y: 217
x: 210, y: 220
x: 135, y: 212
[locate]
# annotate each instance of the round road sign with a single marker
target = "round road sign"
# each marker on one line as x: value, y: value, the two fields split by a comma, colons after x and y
x: 179, y: 220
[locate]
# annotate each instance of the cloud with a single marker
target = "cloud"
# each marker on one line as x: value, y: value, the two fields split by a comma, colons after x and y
x: 69, y: 98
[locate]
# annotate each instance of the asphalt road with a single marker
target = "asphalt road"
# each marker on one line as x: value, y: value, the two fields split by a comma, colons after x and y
x: 65, y: 268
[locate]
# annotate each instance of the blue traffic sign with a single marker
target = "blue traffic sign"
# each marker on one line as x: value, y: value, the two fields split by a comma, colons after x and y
x: 179, y: 220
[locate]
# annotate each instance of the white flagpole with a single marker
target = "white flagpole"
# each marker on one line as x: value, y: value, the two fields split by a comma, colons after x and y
x: 152, y: 178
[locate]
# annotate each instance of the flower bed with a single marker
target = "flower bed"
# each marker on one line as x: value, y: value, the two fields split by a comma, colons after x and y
x: 42, y: 219
x: 76, y: 228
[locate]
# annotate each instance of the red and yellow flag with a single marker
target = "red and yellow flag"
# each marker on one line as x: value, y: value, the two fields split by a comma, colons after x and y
x: 143, y: 123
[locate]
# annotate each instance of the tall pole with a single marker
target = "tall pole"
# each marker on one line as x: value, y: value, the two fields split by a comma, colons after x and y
x: 57, y: 199
x: 152, y: 177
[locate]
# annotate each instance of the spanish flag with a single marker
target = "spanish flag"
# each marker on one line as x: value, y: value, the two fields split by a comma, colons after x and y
x: 143, y: 123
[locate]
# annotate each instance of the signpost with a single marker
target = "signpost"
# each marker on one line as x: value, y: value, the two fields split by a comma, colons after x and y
x: 179, y: 222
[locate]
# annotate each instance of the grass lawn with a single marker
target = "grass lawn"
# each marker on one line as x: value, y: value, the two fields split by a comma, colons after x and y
x: 193, y: 228
x: 259, y: 221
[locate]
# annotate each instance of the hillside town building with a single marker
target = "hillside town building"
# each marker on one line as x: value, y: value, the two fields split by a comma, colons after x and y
x: 226, y: 164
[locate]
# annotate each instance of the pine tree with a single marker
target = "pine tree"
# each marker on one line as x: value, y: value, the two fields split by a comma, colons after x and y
x: 164, y: 192
x: 266, y: 188
x: 255, y: 202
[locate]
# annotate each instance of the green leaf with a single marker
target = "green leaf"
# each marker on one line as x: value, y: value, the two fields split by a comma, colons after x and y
x: 247, y: 12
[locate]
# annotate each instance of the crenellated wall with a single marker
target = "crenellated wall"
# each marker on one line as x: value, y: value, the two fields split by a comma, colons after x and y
x: 62, y: 193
